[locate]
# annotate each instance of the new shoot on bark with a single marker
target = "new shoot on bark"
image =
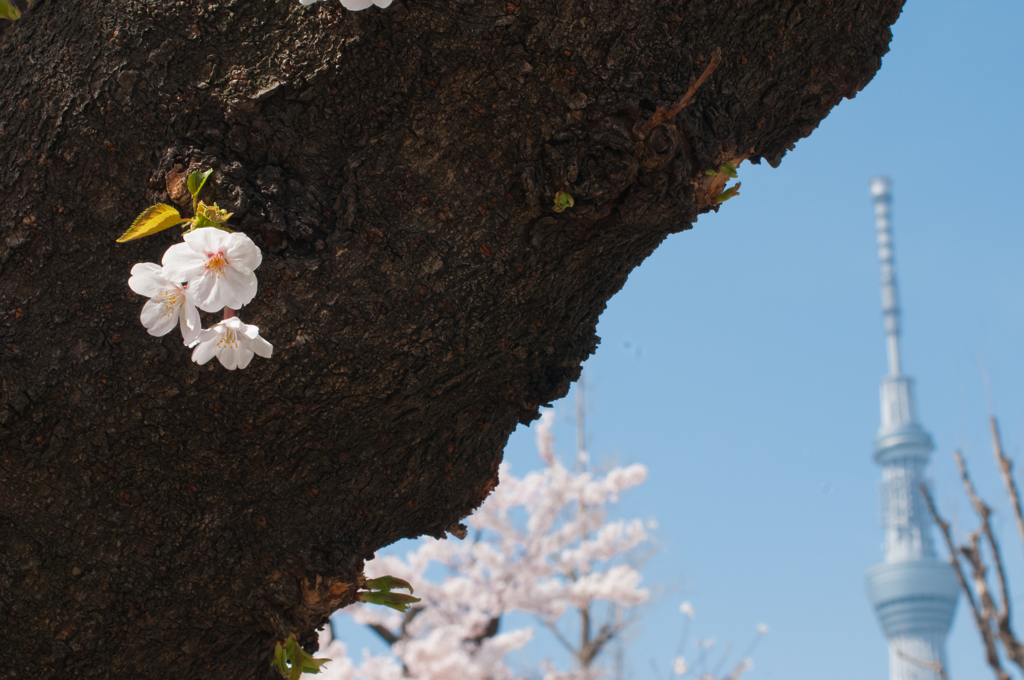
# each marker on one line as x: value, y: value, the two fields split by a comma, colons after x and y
x: 562, y: 201
x: 729, y: 170
x: 379, y: 592
x: 9, y: 11
x: 291, y: 660
x: 161, y: 216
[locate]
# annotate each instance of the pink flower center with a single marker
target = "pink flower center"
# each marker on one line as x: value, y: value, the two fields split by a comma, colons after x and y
x: 216, y: 263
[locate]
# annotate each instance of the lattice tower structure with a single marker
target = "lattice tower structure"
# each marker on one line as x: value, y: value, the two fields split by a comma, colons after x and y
x: 913, y: 592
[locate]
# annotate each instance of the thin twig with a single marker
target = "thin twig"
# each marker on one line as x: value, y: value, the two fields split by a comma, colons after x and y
x: 972, y: 553
x: 984, y: 512
x: 1006, y: 470
x: 981, y: 623
x: 935, y: 666
x: 1001, y: 615
x: 661, y: 115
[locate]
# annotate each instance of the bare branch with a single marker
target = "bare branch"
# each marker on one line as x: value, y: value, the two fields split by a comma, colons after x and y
x: 489, y: 631
x: 661, y: 115
x: 389, y: 637
x: 1014, y: 649
x: 981, y: 622
x: 984, y: 512
x: 384, y: 634
x: 1006, y: 470
x: 593, y: 648
x: 935, y: 666
x: 972, y: 553
x: 550, y: 625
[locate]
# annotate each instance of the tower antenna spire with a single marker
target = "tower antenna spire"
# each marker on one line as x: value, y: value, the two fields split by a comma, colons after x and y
x: 913, y: 592
x: 890, y: 301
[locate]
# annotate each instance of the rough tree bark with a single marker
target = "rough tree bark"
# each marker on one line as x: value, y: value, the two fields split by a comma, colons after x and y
x: 398, y: 167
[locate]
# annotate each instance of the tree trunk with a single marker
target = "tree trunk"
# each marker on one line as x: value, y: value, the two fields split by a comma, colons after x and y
x: 398, y: 167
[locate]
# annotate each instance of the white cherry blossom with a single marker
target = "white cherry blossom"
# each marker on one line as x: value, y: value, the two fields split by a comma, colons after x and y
x: 232, y: 342
x: 169, y: 303
x: 217, y: 265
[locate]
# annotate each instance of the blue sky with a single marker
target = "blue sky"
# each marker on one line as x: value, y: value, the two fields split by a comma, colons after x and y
x: 741, y: 362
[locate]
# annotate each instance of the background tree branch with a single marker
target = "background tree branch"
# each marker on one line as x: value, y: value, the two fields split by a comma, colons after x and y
x: 993, y: 619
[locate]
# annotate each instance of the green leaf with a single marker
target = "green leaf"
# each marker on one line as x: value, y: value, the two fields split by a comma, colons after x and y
x: 311, y: 665
x: 711, y: 173
x: 563, y: 201
x: 291, y: 660
x: 397, y: 601
x: 196, y: 180
x: 9, y: 11
x: 279, y: 660
x: 296, y: 659
x: 153, y: 219
x: 731, y: 192
x: 387, y: 584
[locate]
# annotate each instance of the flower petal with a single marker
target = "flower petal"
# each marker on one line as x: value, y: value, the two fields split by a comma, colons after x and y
x: 242, y: 253
x: 148, y: 279
x: 182, y: 263
x: 206, y: 292
x: 206, y: 240
x: 191, y: 326
x: 261, y: 347
x: 159, y: 314
x: 228, y: 358
x: 356, y: 5
x: 238, y: 288
x: 205, y: 351
x: 244, y: 357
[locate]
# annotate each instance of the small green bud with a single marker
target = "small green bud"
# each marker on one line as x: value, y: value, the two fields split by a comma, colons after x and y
x: 9, y: 11
x: 563, y: 201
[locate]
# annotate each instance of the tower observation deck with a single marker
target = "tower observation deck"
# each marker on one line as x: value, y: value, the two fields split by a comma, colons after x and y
x: 913, y: 592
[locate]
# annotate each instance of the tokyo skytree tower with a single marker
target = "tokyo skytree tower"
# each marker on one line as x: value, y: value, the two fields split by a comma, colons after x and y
x: 913, y: 592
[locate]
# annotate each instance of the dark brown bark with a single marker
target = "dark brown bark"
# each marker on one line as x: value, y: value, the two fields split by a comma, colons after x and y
x: 164, y: 520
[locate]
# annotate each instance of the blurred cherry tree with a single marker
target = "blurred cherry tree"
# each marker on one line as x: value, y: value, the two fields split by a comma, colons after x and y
x: 542, y: 545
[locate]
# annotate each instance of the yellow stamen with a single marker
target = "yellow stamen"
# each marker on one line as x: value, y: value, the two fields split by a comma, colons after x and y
x: 227, y: 340
x: 216, y: 263
x: 170, y: 299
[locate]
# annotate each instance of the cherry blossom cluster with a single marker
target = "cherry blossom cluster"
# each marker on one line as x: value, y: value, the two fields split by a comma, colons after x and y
x: 213, y: 270
x: 355, y: 5
x: 541, y: 544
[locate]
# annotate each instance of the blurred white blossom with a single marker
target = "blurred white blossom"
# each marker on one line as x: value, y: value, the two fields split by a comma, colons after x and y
x: 543, y: 544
